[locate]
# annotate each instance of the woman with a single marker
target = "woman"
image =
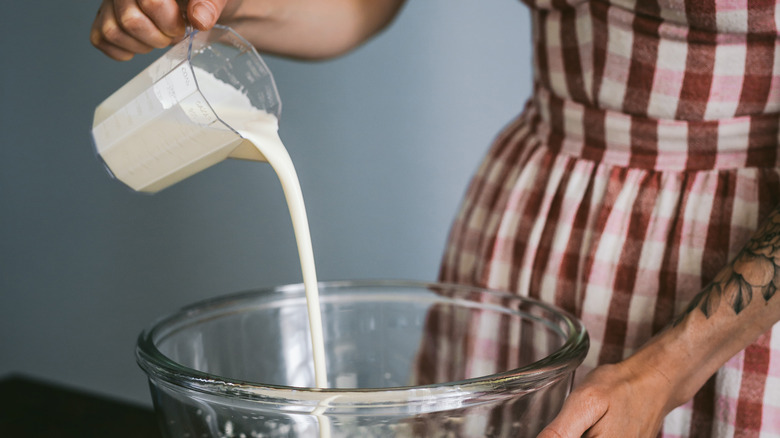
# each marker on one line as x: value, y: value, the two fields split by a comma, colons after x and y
x: 630, y: 191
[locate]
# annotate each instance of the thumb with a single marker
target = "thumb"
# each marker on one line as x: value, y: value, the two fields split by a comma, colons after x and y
x: 580, y: 412
x: 203, y: 14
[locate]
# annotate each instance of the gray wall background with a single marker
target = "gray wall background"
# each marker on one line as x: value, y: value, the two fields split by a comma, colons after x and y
x: 384, y: 141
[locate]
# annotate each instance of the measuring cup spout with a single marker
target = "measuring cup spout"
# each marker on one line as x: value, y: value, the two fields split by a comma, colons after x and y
x: 246, y: 151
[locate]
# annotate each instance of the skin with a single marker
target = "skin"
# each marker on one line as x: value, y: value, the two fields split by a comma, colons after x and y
x: 626, y: 399
x: 305, y: 29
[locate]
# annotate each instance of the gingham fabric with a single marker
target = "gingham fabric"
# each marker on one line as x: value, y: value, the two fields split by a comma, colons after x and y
x: 643, y: 162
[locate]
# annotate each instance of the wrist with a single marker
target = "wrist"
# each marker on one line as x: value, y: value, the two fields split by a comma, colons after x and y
x: 678, y: 361
x: 684, y: 356
x: 660, y: 367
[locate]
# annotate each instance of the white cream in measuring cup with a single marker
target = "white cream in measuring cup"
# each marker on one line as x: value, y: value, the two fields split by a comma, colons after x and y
x: 208, y: 98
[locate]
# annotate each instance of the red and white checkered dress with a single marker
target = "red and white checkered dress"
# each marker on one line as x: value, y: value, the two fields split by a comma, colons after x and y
x: 645, y: 159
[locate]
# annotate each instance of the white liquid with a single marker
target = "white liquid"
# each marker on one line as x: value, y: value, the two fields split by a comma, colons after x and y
x: 261, y: 130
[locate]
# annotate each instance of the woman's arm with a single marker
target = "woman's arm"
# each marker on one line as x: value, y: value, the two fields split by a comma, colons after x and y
x: 310, y: 29
x: 632, y: 397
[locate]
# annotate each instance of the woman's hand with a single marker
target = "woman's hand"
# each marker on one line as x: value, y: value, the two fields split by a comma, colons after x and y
x: 627, y: 399
x: 123, y: 28
x: 630, y: 398
x: 305, y: 29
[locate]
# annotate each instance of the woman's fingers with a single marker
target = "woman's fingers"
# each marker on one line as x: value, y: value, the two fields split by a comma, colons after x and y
x: 115, y: 52
x: 123, y: 28
x: 166, y: 16
x: 139, y: 25
x: 627, y: 399
x: 580, y: 412
x: 108, y: 36
x: 203, y: 14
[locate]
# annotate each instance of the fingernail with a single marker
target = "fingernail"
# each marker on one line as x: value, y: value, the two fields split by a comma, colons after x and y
x: 204, y: 14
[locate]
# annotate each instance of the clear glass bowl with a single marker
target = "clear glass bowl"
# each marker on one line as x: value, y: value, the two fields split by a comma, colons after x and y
x: 404, y: 359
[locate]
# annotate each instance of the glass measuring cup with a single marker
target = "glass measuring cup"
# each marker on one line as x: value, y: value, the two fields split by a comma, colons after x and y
x: 160, y: 127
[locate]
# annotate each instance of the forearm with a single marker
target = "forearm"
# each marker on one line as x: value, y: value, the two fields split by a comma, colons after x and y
x: 727, y: 316
x: 309, y: 29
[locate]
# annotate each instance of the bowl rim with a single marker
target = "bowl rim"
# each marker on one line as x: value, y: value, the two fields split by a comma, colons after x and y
x: 531, y: 377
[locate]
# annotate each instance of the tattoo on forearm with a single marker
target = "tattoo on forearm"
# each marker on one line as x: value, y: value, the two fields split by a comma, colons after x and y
x: 755, y: 270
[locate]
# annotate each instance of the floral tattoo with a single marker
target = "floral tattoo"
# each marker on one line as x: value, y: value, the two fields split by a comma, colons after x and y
x: 755, y: 270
